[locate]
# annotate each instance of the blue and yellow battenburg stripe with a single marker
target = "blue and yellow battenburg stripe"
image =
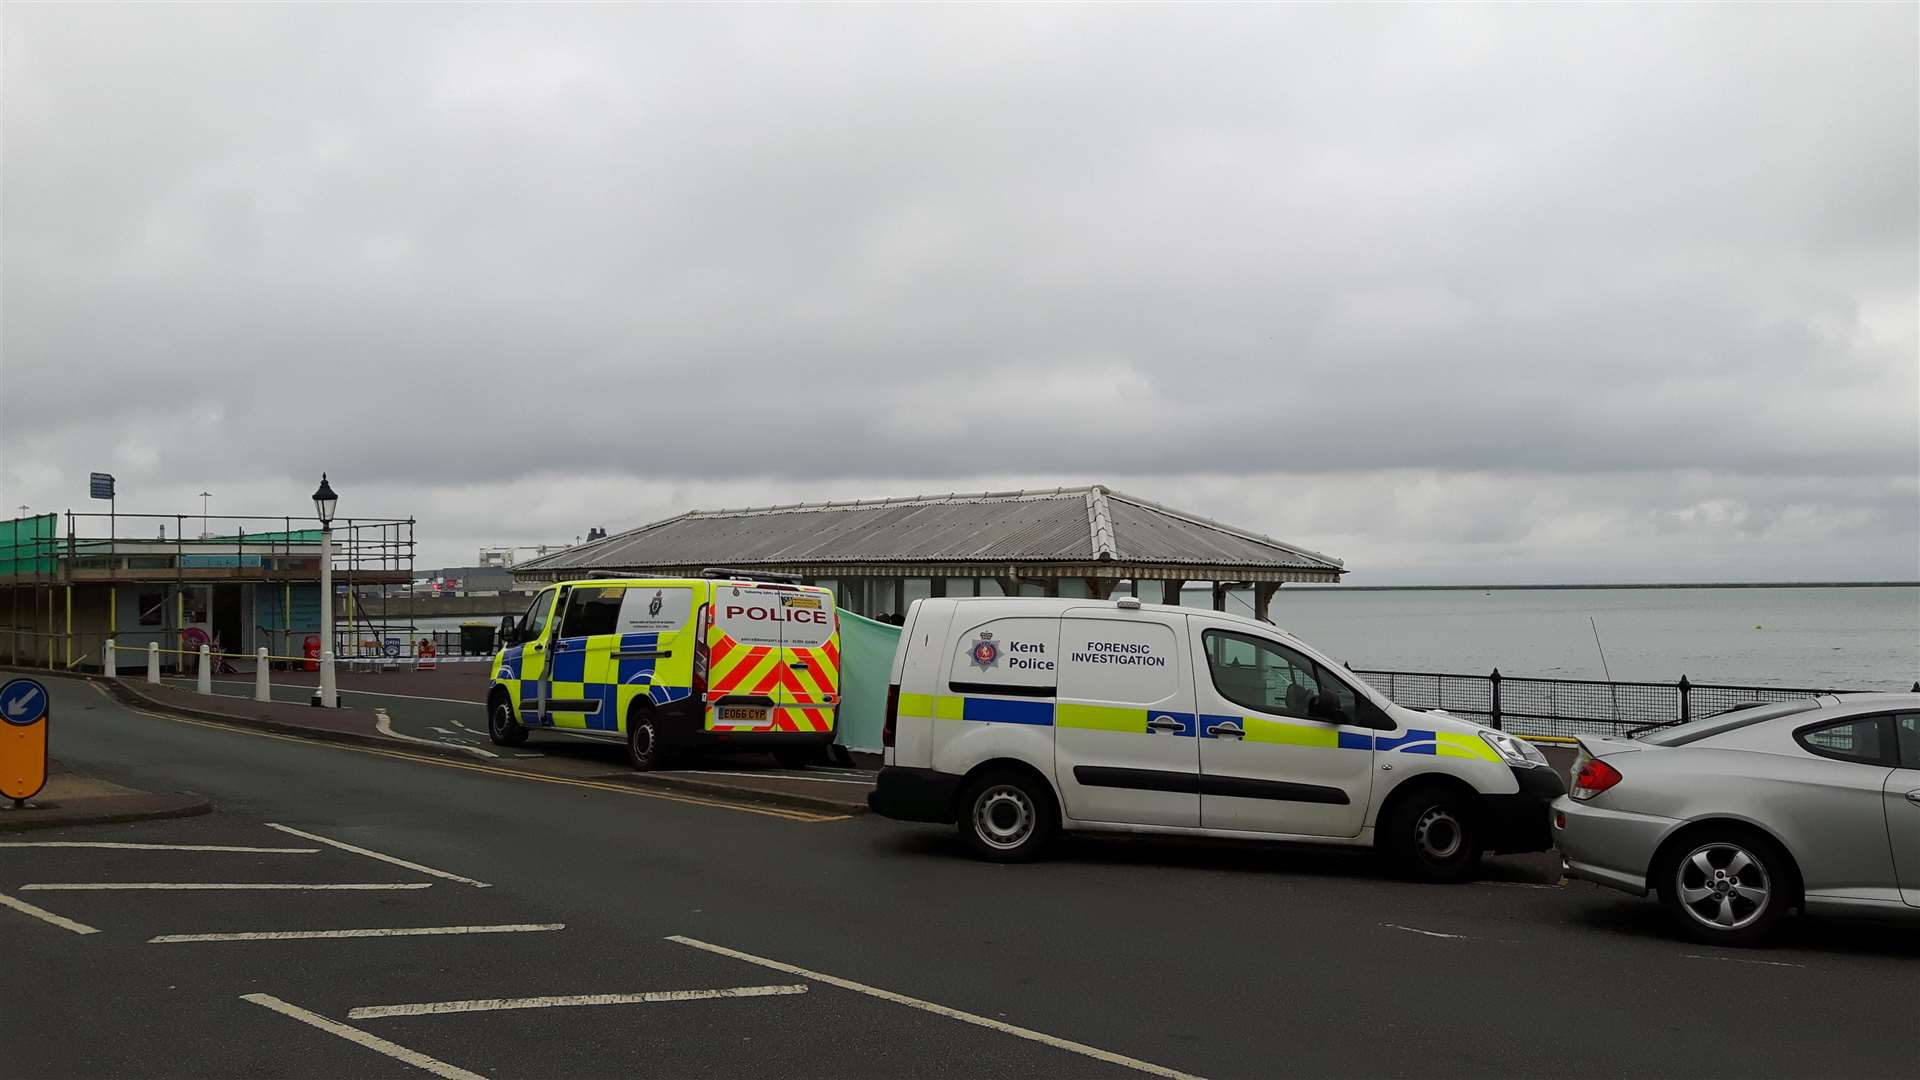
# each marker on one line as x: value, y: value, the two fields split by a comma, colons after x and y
x: 1132, y: 720
x: 629, y: 669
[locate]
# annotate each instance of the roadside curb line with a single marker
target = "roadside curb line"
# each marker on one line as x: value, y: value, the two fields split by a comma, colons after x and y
x: 181, y: 805
x: 127, y: 695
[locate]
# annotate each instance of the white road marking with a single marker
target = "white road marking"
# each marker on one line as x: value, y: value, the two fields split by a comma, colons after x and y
x: 384, y: 725
x: 44, y: 915
x: 395, y: 931
x: 160, y: 847
x: 354, y: 1035
x: 205, y: 886
x: 343, y: 846
x: 431, y: 1008
x: 1522, y: 884
x: 1742, y: 960
x: 1428, y: 933
x: 1044, y: 1039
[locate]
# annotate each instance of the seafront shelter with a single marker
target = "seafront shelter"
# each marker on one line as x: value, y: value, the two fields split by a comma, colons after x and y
x: 879, y: 556
x: 70, y: 582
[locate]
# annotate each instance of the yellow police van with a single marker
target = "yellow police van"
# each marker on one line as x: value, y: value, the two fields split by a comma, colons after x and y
x: 1017, y: 718
x: 732, y: 658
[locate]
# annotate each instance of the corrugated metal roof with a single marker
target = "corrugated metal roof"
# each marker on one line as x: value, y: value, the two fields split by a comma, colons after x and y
x: 1076, y: 525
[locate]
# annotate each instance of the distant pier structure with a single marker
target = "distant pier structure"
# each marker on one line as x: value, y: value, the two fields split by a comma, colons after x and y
x: 878, y: 556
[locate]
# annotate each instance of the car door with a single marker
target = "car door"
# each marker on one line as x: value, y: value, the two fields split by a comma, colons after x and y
x: 580, y: 682
x: 533, y: 659
x: 1280, y: 748
x: 1124, y: 740
x: 1902, y: 790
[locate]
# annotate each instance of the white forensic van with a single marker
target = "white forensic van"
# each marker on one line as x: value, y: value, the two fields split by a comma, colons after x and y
x: 1017, y: 718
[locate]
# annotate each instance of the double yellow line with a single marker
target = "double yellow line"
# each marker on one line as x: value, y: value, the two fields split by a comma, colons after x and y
x: 493, y: 770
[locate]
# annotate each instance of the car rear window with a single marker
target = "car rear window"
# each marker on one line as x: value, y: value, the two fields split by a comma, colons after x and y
x: 1695, y: 730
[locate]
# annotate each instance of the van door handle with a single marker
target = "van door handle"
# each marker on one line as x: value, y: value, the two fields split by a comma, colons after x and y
x: 1913, y: 796
x: 1165, y: 723
x: 798, y: 665
x: 1227, y: 730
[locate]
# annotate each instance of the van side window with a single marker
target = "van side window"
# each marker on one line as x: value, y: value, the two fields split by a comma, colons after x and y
x: 536, y: 617
x: 592, y: 611
x: 1271, y: 678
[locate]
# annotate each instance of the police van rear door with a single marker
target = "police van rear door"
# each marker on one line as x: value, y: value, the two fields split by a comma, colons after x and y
x: 810, y: 643
x: 745, y: 658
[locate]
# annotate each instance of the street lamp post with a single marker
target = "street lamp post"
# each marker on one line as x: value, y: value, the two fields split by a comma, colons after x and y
x: 324, y: 501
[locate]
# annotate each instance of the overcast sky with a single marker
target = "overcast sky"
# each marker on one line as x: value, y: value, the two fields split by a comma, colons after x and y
x: 1515, y: 294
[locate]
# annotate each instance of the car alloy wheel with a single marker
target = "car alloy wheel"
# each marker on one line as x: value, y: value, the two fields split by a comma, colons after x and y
x: 1723, y: 886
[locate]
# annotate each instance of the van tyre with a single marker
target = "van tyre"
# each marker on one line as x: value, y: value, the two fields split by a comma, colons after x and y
x: 1432, y: 834
x: 502, y: 728
x: 1006, y: 816
x: 643, y: 740
x: 1727, y: 885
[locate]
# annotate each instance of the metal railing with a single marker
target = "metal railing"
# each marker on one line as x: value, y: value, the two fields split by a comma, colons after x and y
x: 1570, y: 707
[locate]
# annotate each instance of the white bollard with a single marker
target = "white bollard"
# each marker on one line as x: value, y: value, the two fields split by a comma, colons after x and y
x: 206, y: 672
x: 261, y: 691
x: 112, y: 669
x: 153, y: 662
x: 329, y: 697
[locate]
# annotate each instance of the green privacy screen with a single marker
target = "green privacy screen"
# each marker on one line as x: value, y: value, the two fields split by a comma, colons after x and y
x: 27, y: 550
x: 866, y: 662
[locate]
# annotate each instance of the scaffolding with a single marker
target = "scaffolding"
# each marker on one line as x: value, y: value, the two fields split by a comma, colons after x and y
x: 61, y: 584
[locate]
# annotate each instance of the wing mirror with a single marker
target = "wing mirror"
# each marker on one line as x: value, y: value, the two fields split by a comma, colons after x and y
x: 509, y: 631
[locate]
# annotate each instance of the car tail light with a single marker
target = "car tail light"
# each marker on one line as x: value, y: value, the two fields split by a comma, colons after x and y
x: 893, y: 717
x: 700, y: 624
x: 1594, y: 776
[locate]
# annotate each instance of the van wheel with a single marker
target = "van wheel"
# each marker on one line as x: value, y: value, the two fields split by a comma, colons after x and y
x: 1006, y: 817
x: 1432, y: 835
x: 502, y: 728
x: 643, y: 741
x: 1727, y: 887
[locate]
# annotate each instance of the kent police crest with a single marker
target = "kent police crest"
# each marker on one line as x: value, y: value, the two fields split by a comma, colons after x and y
x: 985, y: 652
x: 653, y: 606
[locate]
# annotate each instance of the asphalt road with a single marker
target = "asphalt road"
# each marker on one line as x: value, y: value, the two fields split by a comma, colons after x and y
x: 452, y: 723
x: 1116, y: 958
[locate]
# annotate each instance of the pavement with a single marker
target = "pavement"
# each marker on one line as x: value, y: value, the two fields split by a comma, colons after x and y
x: 360, y: 911
x: 70, y: 798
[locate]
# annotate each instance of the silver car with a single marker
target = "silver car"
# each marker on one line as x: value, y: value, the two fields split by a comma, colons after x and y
x: 1736, y: 819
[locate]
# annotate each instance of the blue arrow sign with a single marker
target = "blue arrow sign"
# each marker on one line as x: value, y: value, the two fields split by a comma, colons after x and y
x: 23, y: 702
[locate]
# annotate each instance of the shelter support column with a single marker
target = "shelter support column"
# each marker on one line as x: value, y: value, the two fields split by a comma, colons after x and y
x: 1263, y: 599
x: 1170, y: 589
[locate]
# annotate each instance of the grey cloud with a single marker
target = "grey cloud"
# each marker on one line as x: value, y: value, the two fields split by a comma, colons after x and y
x: 1351, y: 246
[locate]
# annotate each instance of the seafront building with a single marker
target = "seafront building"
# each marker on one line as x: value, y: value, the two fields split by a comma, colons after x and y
x: 878, y: 556
x: 70, y: 582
